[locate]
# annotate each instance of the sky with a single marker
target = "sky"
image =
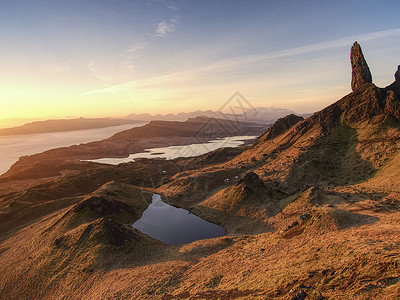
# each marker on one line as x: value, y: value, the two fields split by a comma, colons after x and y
x: 110, y: 58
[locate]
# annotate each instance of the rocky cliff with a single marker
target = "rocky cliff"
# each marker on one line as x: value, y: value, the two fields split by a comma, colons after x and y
x: 311, y: 211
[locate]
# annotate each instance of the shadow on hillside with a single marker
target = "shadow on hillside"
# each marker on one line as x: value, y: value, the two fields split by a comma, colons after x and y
x: 371, y: 201
x: 331, y: 160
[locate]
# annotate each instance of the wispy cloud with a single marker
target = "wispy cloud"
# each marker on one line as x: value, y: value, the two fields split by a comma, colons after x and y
x: 91, y: 66
x: 169, y: 4
x: 136, y: 47
x: 337, y: 43
x: 138, y: 84
x: 163, y: 28
x: 172, y: 6
x: 231, y: 64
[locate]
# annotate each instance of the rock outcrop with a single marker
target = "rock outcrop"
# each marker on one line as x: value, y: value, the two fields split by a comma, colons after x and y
x: 363, y: 104
x: 360, y: 71
x: 251, y: 179
x: 395, y: 86
x: 282, y: 125
x: 310, y: 214
x: 102, y: 231
x: 102, y: 206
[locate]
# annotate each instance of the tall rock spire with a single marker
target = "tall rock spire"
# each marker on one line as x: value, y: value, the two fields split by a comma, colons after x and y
x: 360, y: 71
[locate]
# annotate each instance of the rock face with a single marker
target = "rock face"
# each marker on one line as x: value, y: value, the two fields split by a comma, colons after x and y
x: 368, y: 102
x: 282, y: 125
x: 360, y: 71
x: 395, y: 86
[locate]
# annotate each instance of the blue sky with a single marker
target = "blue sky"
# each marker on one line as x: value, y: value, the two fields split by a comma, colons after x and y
x: 115, y: 57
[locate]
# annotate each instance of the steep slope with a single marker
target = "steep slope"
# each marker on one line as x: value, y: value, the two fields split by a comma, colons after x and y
x: 346, y: 143
x: 60, y: 252
x: 311, y: 211
x: 249, y: 193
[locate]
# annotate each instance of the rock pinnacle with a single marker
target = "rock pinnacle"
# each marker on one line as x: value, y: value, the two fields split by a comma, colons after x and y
x: 397, y: 74
x: 360, y: 71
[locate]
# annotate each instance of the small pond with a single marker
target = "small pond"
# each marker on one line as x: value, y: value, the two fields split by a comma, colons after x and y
x: 173, y: 225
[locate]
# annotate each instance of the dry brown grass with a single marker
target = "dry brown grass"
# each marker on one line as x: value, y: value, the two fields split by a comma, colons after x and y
x: 325, y: 222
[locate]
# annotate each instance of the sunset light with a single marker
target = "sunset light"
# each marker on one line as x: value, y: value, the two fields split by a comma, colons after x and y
x: 199, y: 149
x: 109, y: 59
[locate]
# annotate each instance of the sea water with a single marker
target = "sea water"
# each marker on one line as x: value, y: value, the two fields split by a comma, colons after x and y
x: 172, y: 152
x: 14, y: 146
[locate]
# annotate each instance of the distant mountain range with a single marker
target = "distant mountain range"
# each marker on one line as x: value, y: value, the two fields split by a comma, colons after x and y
x: 258, y: 114
x: 155, y: 134
x: 311, y: 210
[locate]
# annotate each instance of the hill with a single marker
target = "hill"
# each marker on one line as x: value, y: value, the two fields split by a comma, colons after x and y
x: 63, y: 125
x: 152, y: 135
x: 311, y: 211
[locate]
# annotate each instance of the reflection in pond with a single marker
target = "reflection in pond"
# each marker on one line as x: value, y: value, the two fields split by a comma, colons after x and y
x: 173, y: 225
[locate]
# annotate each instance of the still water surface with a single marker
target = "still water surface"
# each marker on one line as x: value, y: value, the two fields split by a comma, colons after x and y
x: 14, y: 146
x: 173, y: 225
x: 172, y: 152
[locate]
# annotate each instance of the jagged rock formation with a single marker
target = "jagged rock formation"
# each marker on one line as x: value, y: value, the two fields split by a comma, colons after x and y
x: 360, y: 71
x: 307, y: 191
x: 344, y: 143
